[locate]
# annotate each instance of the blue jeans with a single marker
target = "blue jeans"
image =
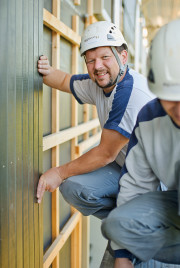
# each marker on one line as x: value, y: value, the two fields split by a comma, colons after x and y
x: 148, y: 226
x: 93, y: 193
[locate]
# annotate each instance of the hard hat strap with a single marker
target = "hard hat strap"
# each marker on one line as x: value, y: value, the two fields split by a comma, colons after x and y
x: 122, y: 67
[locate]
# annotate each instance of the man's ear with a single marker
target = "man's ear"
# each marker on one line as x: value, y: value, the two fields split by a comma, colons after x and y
x: 84, y: 58
x: 124, y: 56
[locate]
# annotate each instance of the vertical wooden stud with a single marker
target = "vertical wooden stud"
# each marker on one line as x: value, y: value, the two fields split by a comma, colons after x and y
x: 76, y: 234
x: 90, y: 6
x: 55, y: 127
x: 76, y: 246
x: 94, y: 115
x: 90, y: 10
x: 74, y: 115
x: 77, y: 2
x: 85, y: 241
x: 86, y: 220
x: 86, y: 119
x: 85, y: 106
x: 87, y: 22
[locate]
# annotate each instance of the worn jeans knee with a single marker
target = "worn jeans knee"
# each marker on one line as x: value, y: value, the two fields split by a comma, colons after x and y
x: 93, y: 193
x: 84, y: 198
x: 151, y: 217
x: 74, y: 194
x: 111, y: 228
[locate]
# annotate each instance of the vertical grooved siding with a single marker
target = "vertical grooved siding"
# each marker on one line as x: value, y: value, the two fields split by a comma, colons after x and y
x: 21, y: 32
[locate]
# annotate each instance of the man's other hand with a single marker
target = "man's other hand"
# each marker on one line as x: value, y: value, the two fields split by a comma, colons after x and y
x: 49, y: 181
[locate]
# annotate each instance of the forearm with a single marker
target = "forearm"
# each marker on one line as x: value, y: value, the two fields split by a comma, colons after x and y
x: 90, y: 161
x: 106, y: 152
x: 57, y: 79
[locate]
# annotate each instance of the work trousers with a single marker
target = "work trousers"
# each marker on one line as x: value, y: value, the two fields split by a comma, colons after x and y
x: 148, y: 226
x: 93, y: 193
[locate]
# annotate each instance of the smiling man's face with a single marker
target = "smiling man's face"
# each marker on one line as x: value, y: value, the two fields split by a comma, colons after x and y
x: 102, y: 67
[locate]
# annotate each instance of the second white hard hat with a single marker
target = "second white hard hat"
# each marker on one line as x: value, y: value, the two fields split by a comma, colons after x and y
x: 163, y: 62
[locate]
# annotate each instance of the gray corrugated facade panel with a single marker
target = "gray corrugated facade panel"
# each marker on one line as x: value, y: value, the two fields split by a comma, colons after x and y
x: 21, y: 133
x: 68, y: 9
x: 129, y: 21
x: 108, y: 7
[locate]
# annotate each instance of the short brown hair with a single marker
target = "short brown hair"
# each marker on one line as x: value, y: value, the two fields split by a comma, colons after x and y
x: 121, y: 48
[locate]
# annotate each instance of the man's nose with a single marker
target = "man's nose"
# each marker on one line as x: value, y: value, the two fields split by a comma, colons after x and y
x: 98, y: 64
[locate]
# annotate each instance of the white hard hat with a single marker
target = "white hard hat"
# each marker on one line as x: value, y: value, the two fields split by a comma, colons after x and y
x: 100, y: 34
x: 163, y: 62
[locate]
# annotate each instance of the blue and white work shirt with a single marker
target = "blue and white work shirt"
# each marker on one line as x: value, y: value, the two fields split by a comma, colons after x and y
x: 153, y: 154
x: 117, y: 110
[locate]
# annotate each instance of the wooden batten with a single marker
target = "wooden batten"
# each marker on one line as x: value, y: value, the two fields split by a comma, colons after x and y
x: 60, y: 137
x: 94, y: 116
x: 86, y: 119
x: 58, y: 26
x: 77, y: 224
x: 76, y: 234
x: 59, y: 242
x: 74, y: 113
x: 55, y: 128
x: 86, y: 144
x: 77, y: 2
x: 76, y: 246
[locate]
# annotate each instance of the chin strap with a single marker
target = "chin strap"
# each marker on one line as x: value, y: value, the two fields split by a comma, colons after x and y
x: 122, y: 67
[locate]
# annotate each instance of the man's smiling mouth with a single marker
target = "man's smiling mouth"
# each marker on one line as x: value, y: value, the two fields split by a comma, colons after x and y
x: 100, y: 74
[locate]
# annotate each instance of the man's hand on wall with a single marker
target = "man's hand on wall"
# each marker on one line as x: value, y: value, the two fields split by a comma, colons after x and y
x: 43, y: 65
x: 49, y: 181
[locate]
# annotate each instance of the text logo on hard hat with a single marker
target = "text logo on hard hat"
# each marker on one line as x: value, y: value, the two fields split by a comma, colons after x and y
x: 91, y: 39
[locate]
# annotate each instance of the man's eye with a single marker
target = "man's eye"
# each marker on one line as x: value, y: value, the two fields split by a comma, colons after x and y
x: 105, y: 57
x: 90, y: 61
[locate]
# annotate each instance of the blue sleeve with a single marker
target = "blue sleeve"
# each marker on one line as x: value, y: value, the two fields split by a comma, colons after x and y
x: 119, y: 119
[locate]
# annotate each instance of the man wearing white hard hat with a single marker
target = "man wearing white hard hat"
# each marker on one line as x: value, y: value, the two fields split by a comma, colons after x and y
x: 146, y: 223
x: 90, y: 183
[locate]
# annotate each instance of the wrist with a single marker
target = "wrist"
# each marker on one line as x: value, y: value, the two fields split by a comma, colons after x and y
x: 62, y: 172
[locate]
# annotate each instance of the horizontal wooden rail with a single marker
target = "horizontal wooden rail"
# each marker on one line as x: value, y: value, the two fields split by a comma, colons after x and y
x: 59, y: 242
x: 85, y: 145
x: 59, y: 27
x: 65, y: 135
x: 77, y: 2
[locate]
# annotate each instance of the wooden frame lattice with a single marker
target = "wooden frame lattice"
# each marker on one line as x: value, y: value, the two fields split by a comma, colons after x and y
x: 77, y: 222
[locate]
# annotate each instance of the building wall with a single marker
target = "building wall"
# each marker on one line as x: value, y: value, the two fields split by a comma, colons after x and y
x: 65, y: 50
x: 21, y: 241
x: 67, y: 10
x: 25, y: 227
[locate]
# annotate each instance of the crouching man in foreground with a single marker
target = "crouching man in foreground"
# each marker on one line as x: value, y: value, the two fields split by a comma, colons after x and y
x: 146, y: 224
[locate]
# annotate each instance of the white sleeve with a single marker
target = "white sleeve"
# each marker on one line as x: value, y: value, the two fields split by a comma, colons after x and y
x: 83, y: 89
x: 137, y: 177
